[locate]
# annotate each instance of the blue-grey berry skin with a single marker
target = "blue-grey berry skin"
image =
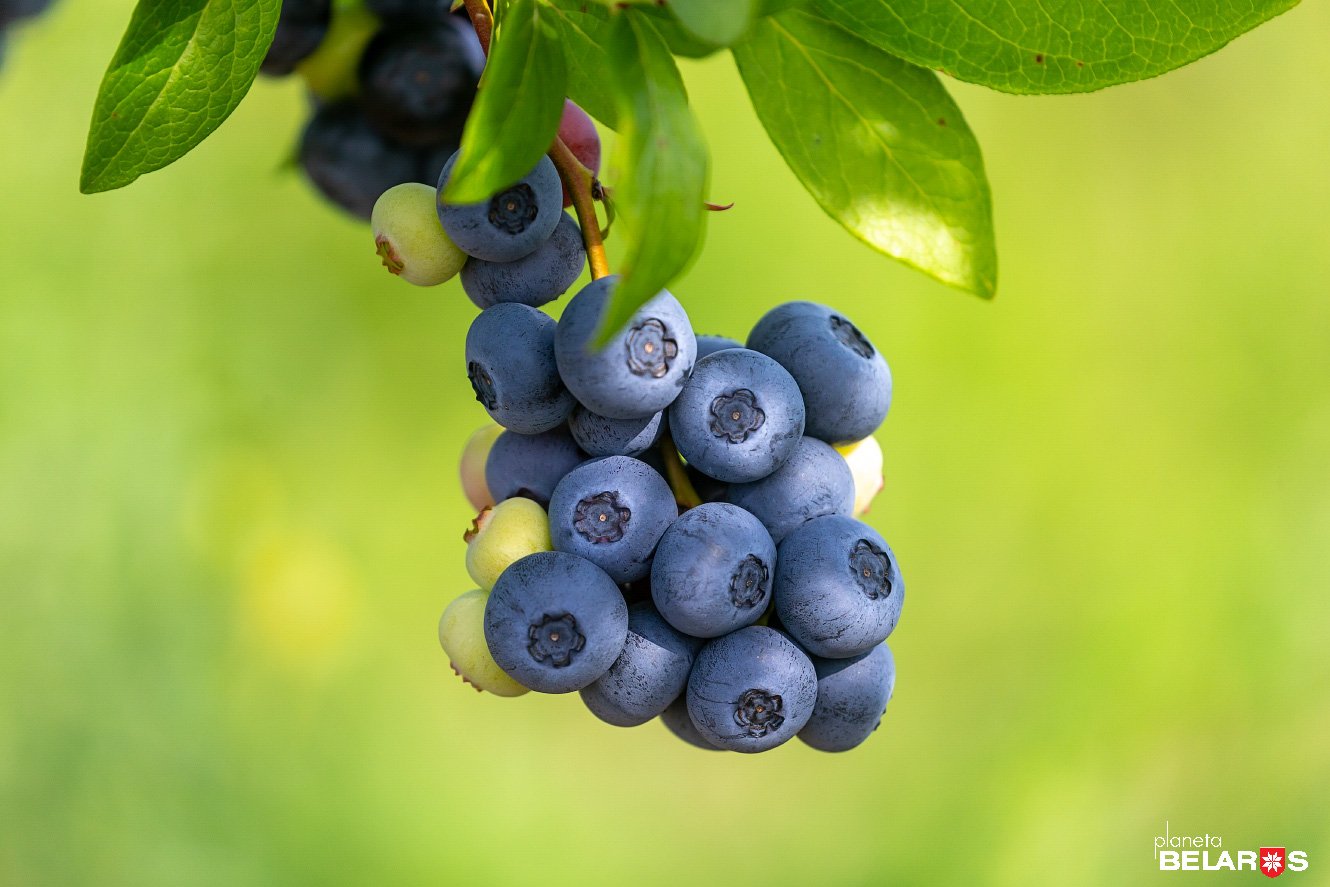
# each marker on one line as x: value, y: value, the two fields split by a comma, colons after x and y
x: 602, y: 436
x: 815, y: 481
x: 612, y: 511
x: 852, y: 695
x: 510, y: 362
x: 649, y: 674
x: 677, y: 721
x: 530, y: 465
x: 739, y: 416
x: 711, y: 344
x: 838, y: 587
x: 555, y: 622
x: 642, y: 368
x: 845, y: 380
x: 512, y: 223
x: 751, y: 690
x: 532, y: 280
x: 713, y: 570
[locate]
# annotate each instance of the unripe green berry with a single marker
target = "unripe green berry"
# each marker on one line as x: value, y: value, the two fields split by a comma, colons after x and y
x: 462, y: 636
x: 475, y: 453
x: 865, y: 460
x: 502, y: 535
x: 330, y: 73
x: 409, y: 238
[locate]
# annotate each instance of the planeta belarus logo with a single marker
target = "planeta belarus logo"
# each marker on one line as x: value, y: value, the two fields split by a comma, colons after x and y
x: 1272, y: 861
x: 1211, y: 853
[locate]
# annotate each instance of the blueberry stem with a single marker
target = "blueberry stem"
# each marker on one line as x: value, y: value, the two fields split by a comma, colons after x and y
x: 576, y: 178
x: 684, y: 493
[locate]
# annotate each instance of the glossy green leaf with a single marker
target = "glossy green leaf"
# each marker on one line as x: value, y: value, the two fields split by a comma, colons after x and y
x: 181, y: 69
x: 877, y: 142
x: 719, y: 22
x: 1053, y: 46
x: 517, y: 109
x: 584, y: 29
x: 660, y: 168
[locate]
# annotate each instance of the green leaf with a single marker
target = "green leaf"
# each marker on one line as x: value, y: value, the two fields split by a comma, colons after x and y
x: 182, y: 67
x: 584, y: 31
x: 516, y: 113
x: 1054, y: 46
x: 661, y: 169
x: 877, y: 142
x: 719, y: 22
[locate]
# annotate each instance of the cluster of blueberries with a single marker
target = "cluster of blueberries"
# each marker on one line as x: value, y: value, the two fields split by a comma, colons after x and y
x: 391, y: 83
x: 739, y: 601
x: 13, y: 12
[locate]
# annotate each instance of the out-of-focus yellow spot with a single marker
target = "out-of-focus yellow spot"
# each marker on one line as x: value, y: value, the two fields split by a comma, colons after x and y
x: 298, y: 600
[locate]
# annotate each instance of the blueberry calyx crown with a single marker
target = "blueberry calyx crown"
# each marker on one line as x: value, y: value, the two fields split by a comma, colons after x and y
x: 871, y: 569
x: 555, y: 638
x: 749, y: 582
x: 601, y: 518
x: 848, y: 335
x: 483, y: 384
x: 650, y: 348
x: 512, y: 210
x: 759, y: 712
x: 735, y: 415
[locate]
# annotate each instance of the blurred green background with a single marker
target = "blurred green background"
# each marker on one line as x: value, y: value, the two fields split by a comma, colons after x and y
x: 229, y: 517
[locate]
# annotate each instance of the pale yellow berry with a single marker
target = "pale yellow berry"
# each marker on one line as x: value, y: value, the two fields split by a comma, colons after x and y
x: 462, y: 636
x: 475, y: 453
x: 409, y: 238
x: 502, y: 535
x: 865, y: 460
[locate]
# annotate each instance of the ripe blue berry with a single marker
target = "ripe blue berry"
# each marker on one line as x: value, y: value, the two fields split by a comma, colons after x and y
x: 602, y: 436
x: 612, y: 512
x: 649, y: 674
x: 511, y: 224
x: 349, y: 161
x: 640, y: 370
x: 713, y: 570
x: 417, y: 82
x: 845, y: 381
x: 676, y: 720
x: 555, y: 622
x: 532, y: 280
x: 751, y: 690
x: 838, y: 587
x: 510, y: 362
x: 301, y: 27
x: 530, y: 465
x: 852, y: 694
x: 813, y: 482
x: 711, y: 344
x: 739, y: 417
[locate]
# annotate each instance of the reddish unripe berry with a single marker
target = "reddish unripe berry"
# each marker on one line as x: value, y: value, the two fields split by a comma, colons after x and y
x: 578, y: 132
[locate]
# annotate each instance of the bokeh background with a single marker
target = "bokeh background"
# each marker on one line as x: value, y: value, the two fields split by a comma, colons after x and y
x: 229, y: 517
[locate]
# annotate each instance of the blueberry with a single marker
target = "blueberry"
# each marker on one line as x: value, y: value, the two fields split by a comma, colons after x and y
x: 510, y: 362
x: 612, y: 512
x: 845, y: 381
x: 851, y: 697
x: 739, y: 418
x: 349, y: 162
x: 813, y: 482
x: 602, y: 436
x: 711, y: 344
x: 838, y: 587
x: 713, y: 570
x: 555, y: 622
x: 417, y: 83
x: 405, y: 12
x: 301, y: 27
x: 676, y: 720
x: 649, y: 674
x: 511, y: 224
x: 532, y: 280
x: 751, y: 690
x: 641, y: 369
x: 12, y: 11
x: 530, y: 465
